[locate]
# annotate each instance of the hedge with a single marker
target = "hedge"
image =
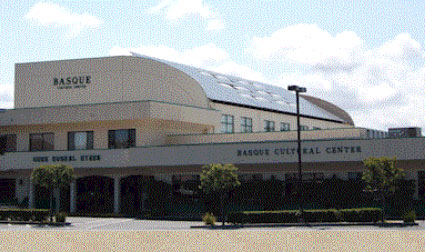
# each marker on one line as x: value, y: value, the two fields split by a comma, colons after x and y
x: 311, y: 216
x: 24, y: 214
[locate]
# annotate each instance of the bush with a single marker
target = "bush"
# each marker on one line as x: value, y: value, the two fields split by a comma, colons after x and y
x: 24, y: 214
x: 209, y: 219
x: 293, y: 216
x: 409, y: 217
x: 60, y: 217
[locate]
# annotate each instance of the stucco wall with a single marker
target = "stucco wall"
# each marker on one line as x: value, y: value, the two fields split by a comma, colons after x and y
x: 112, y: 79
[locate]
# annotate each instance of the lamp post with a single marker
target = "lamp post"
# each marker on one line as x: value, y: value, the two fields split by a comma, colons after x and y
x: 298, y: 90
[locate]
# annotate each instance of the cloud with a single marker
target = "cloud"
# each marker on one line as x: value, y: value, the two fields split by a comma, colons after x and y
x: 380, y: 87
x: 179, y: 9
x: 6, y: 96
x: 207, y: 56
x: 54, y: 15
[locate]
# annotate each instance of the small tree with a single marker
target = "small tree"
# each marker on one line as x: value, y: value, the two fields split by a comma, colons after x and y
x: 381, y: 176
x: 221, y: 179
x: 52, y: 177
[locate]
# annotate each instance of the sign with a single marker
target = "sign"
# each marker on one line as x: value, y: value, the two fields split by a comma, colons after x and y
x: 294, y: 151
x: 43, y: 159
x: 72, y: 82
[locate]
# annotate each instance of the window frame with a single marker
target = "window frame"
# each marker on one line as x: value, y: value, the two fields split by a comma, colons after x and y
x: 283, y: 126
x: 227, y: 123
x: 10, y: 143
x: 245, y: 126
x: 269, y: 126
x: 89, y: 140
x: 44, y: 141
x: 131, y: 140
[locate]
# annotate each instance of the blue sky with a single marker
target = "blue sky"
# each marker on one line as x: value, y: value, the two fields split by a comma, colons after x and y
x: 365, y: 56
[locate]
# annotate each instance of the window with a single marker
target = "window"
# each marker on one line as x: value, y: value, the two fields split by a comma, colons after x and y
x: 41, y: 142
x: 246, y: 124
x: 7, y: 143
x: 354, y: 175
x: 421, y: 184
x: 80, y: 140
x: 316, y: 128
x: 268, y: 126
x: 227, y: 124
x: 303, y: 127
x: 121, y: 139
x: 284, y: 126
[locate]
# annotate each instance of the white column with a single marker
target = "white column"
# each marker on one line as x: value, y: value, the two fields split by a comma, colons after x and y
x: 117, y: 190
x: 57, y: 195
x: 31, y: 196
x: 72, y: 197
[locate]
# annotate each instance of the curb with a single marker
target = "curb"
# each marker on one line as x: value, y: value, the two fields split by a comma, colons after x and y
x: 60, y: 224
x: 239, y: 226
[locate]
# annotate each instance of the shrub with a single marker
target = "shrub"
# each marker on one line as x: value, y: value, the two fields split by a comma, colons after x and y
x: 293, y: 216
x: 60, y: 217
x: 209, y: 219
x: 24, y: 214
x: 409, y: 217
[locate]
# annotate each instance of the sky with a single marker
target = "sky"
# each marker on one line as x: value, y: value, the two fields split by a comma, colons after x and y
x: 365, y: 56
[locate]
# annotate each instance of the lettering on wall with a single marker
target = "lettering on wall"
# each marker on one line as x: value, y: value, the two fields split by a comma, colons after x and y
x: 83, y: 158
x: 294, y: 151
x: 72, y: 82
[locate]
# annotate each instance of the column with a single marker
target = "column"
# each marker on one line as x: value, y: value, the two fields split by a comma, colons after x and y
x: 57, y: 195
x: 31, y: 196
x: 117, y: 191
x: 72, y: 197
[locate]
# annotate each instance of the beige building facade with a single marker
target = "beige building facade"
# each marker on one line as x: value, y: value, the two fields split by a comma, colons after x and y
x: 138, y: 117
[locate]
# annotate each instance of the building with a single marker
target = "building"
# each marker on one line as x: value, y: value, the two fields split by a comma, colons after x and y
x: 122, y: 121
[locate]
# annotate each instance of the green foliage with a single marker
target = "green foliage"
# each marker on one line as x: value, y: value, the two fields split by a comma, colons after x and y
x: 311, y: 216
x: 24, y: 214
x: 60, y: 217
x: 209, y: 219
x: 409, y: 217
x: 52, y: 176
x: 381, y: 174
x: 219, y: 178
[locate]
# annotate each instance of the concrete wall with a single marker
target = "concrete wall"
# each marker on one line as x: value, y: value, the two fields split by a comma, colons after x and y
x: 258, y: 116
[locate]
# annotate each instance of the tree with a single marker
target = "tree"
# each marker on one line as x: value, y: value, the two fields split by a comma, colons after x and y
x: 52, y: 177
x: 381, y: 176
x: 220, y: 179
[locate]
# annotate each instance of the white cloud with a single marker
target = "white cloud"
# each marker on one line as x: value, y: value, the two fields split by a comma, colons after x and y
x: 207, y: 56
x: 380, y: 87
x: 6, y: 96
x: 54, y: 15
x: 178, y: 9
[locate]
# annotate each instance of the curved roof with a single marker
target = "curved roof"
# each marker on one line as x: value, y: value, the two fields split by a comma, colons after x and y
x: 234, y: 90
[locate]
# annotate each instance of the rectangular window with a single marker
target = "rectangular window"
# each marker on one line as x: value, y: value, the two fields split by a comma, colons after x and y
x: 42, y: 142
x: 246, y: 124
x: 121, y: 139
x: 316, y: 128
x: 268, y: 126
x: 80, y: 140
x: 284, y: 126
x: 7, y: 143
x: 303, y: 127
x: 227, y: 125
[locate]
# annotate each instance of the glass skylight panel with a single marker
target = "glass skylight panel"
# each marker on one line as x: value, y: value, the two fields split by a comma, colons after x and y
x: 206, y: 73
x: 243, y: 82
x: 222, y: 78
x: 262, y: 93
x: 246, y: 96
x: 240, y: 88
x: 226, y: 85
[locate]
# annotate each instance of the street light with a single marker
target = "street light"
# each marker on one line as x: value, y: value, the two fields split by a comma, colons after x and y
x: 298, y: 90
